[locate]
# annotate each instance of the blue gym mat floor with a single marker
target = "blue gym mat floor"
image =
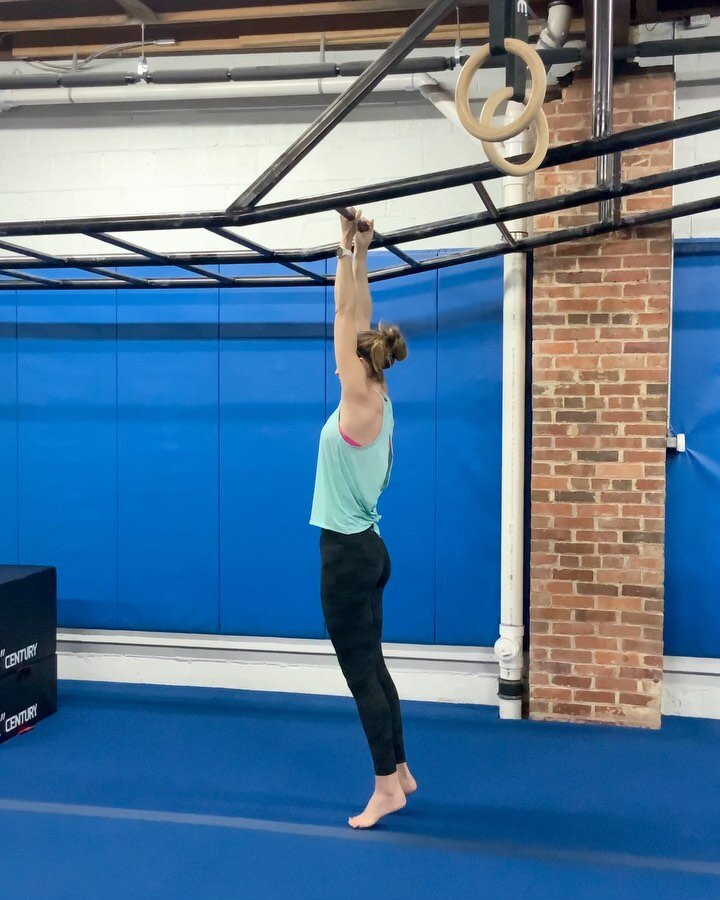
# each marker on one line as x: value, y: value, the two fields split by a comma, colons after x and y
x: 135, y: 791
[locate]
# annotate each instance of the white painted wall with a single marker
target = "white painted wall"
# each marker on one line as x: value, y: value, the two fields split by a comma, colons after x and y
x: 698, y: 91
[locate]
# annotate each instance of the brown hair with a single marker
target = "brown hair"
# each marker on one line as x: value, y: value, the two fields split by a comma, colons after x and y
x: 381, y: 348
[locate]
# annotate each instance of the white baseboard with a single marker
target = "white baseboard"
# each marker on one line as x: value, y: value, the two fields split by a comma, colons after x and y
x: 435, y: 673
x: 691, y: 686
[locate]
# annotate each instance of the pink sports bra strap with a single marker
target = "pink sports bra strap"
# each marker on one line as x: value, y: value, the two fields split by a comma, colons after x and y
x: 348, y: 440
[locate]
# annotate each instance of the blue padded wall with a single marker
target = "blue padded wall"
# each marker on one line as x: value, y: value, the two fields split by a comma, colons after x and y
x: 408, y: 506
x: 468, y: 453
x: 272, y: 397
x: 167, y: 387
x: 8, y: 428
x: 692, y: 581
x: 168, y: 440
x: 67, y: 447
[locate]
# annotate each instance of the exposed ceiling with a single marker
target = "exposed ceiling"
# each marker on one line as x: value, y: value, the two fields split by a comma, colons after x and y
x: 43, y: 29
x: 35, y: 30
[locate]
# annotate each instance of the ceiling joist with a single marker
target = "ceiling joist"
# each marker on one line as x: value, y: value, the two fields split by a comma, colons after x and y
x: 248, y: 43
x: 203, y: 16
x: 41, y: 29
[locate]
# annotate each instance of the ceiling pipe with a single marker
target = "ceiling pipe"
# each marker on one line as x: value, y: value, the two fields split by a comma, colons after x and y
x: 550, y: 45
x: 77, y: 78
x: 557, y: 29
x: 159, y: 93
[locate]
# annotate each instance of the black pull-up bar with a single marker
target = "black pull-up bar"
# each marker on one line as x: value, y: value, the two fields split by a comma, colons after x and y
x: 344, y: 104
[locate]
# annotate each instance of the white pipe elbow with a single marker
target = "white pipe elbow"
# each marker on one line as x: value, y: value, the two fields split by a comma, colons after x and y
x: 555, y: 33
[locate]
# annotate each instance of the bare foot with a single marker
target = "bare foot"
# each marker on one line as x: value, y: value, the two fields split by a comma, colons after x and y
x: 388, y: 798
x: 407, y: 782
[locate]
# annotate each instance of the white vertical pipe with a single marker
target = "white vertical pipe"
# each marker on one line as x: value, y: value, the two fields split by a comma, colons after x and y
x: 148, y: 93
x: 509, y: 646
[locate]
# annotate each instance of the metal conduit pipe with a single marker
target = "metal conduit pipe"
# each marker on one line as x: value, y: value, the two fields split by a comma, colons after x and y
x: 608, y: 167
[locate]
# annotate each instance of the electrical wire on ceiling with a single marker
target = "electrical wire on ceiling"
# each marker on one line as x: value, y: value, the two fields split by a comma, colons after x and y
x: 77, y: 64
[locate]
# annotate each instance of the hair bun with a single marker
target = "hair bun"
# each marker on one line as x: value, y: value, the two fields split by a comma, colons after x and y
x: 394, y: 343
x: 381, y: 348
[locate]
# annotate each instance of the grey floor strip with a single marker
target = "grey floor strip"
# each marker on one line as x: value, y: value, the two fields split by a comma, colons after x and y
x: 489, y: 847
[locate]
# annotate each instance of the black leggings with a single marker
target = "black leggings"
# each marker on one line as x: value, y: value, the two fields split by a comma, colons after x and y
x: 355, y: 569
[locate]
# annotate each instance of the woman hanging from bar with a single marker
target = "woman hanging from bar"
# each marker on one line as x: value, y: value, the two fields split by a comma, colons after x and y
x: 354, y: 464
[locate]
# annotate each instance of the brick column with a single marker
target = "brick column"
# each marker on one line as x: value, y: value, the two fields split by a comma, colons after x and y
x: 600, y: 383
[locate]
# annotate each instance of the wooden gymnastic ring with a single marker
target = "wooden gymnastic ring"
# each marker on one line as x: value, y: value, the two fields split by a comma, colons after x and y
x: 534, y: 101
x: 542, y: 138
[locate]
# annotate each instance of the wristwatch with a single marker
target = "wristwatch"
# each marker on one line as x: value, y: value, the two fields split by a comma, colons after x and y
x: 342, y: 252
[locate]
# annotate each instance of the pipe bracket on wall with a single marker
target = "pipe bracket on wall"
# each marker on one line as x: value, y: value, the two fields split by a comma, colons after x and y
x: 676, y: 442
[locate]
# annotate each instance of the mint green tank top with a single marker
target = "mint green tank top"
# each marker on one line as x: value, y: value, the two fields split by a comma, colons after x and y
x: 349, y: 479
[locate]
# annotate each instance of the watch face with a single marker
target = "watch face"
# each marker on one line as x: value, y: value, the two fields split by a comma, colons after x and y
x: 339, y: 253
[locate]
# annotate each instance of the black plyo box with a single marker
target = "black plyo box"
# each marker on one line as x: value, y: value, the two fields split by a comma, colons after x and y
x: 27, y: 695
x: 28, y: 616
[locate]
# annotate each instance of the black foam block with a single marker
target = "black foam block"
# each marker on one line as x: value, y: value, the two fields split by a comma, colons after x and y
x: 27, y: 695
x: 28, y: 615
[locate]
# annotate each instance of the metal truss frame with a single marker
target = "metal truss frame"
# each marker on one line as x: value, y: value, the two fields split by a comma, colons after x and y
x: 21, y: 271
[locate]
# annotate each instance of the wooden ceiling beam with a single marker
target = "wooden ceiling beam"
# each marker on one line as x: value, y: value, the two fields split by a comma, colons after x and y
x: 215, y: 16
x: 15, y: 26
x: 248, y: 43
x: 259, y: 42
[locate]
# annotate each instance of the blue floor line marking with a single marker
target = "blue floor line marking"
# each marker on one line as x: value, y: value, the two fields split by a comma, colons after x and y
x: 496, y: 848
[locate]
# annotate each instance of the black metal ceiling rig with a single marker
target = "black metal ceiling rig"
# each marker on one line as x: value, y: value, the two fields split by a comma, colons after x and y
x: 19, y: 272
